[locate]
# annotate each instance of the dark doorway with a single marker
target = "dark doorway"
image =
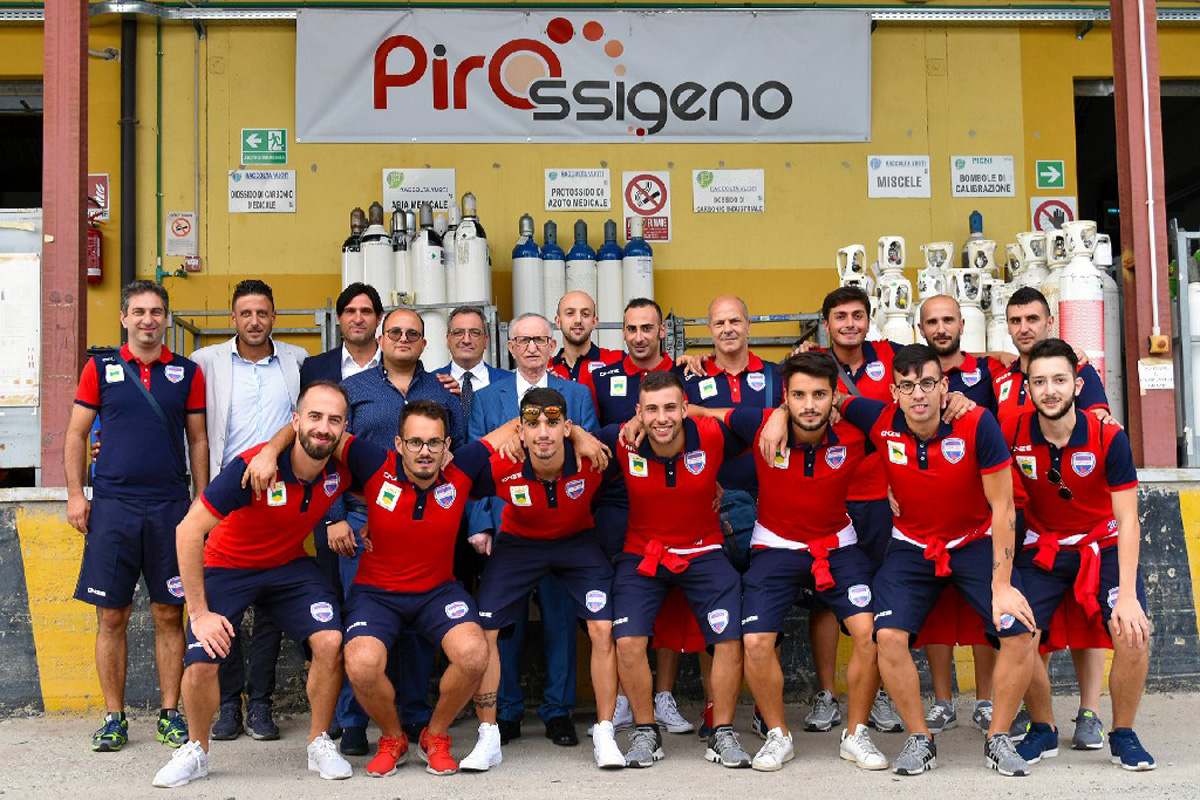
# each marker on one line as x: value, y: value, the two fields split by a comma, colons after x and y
x: 21, y: 144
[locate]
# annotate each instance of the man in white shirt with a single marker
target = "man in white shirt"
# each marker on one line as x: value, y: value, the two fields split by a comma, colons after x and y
x: 467, y: 341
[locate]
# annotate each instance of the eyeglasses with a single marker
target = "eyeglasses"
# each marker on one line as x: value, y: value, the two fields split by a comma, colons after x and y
x: 408, y: 334
x: 1055, y: 476
x: 467, y: 333
x: 415, y: 445
x: 927, y: 385
x: 525, y: 341
x: 554, y: 414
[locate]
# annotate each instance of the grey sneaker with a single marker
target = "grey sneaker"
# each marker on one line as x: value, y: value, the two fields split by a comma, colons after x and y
x: 645, y: 747
x: 941, y: 716
x: 1020, y: 725
x: 1089, y: 731
x: 1003, y: 757
x: 884, y: 716
x: 725, y: 749
x: 983, y: 715
x: 667, y: 715
x: 825, y: 713
x: 919, y: 755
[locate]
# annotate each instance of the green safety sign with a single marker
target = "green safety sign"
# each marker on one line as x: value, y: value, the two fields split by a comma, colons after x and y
x: 264, y: 145
x: 1050, y: 175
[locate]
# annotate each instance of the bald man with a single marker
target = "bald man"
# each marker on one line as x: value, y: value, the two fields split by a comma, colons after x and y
x: 577, y: 320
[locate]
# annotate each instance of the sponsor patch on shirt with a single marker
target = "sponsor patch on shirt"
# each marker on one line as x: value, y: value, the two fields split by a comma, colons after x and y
x: 756, y: 381
x: 718, y: 620
x: 781, y: 460
x: 332, y: 482
x: 954, y: 449
x: 321, y: 612
x: 859, y: 595
x: 637, y: 466
x: 389, y: 495
x: 175, y: 586
x: 835, y: 456
x: 277, y: 494
x: 575, y: 488
x: 708, y: 388
x: 445, y: 495
x: 1028, y: 466
x: 971, y: 378
x: 114, y: 373
x: 896, y: 453
x: 695, y: 461
x: 456, y: 610
x: 174, y: 373
x: 595, y: 600
x: 1082, y: 464
x: 876, y: 370
x: 520, y: 495
x: 617, y: 386
x: 1005, y: 391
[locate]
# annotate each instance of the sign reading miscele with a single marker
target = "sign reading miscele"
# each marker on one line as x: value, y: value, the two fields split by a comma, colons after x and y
x: 262, y: 191
x: 897, y: 176
x: 982, y: 176
x: 728, y: 191
x: 406, y: 189
x: 582, y: 75
x: 578, y: 190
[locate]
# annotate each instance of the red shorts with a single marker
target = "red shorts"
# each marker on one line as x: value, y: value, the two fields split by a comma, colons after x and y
x: 675, y: 627
x: 951, y: 622
x: 1072, y: 628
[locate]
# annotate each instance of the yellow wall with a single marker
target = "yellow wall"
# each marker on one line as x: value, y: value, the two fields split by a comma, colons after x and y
x: 937, y: 90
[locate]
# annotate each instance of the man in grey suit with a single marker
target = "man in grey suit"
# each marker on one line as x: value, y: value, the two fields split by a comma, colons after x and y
x: 530, y: 342
x: 251, y: 386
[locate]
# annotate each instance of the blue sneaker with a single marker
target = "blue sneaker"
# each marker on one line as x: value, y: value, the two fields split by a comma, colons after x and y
x: 758, y: 725
x: 1128, y: 751
x: 113, y: 735
x: 259, y: 723
x: 1041, y: 741
x: 172, y: 729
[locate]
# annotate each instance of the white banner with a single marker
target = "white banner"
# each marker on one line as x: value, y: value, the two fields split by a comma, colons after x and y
x: 432, y: 75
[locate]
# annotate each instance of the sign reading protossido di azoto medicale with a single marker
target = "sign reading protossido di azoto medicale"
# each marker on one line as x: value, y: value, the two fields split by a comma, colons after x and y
x: 482, y: 75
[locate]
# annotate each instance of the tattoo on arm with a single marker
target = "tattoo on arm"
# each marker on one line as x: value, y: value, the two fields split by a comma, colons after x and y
x: 486, y: 700
x: 1008, y: 554
x: 995, y: 566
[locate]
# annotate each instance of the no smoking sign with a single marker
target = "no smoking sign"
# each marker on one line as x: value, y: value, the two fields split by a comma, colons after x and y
x: 648, y: 195
x: 181, y: 234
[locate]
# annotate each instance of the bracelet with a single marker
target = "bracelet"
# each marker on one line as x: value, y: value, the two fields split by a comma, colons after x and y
x: 193, y: 618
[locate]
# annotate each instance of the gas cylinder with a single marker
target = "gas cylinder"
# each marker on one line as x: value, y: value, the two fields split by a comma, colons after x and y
x: 429, y: 288
x: 554, y: 270
x: 609, y: 307
x: 637, y: 264
x: 378, y: 263
x: 581, y: 263
x: 966, y: 286
x: 472, y: 259
x: 352, y: 259
x: 1081, y: 295
x: 527, y: 272
x: 1057, y: 258
x: 1114, y: 361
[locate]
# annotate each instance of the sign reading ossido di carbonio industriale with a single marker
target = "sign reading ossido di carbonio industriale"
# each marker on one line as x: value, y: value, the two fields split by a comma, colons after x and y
x: 430, y: 75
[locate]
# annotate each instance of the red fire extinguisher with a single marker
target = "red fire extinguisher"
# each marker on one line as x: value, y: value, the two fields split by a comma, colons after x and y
x: 95, y: 270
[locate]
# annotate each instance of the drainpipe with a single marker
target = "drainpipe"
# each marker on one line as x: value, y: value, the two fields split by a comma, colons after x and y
x: 129, y: 123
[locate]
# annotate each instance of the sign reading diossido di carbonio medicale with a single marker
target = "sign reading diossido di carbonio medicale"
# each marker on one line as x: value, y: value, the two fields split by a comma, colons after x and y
x: 431, y: 75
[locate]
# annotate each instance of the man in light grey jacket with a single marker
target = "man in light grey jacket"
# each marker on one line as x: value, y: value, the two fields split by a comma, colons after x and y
x: 251, y: 386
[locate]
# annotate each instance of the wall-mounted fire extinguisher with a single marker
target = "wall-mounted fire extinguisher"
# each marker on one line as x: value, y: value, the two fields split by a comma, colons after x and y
x: 95, y: 266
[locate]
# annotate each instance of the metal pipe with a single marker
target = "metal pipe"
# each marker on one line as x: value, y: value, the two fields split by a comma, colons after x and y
x: 128, y: 122
x: 1155, y: 326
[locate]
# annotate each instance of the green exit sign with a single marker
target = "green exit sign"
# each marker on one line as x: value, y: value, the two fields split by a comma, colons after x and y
x: 1051, y: 174
x: 264, y: 145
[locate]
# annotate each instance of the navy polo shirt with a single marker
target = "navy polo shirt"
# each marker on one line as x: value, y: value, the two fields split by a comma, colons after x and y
x: 615, y: 388
x: 974, y: 378
x: 142, y: 459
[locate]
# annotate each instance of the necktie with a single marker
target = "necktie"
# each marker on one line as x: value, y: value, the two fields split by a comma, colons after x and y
x: 468, y: 393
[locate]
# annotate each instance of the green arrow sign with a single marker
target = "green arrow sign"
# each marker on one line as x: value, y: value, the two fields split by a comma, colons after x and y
x: 264, y: 145
x: 1050, y: 175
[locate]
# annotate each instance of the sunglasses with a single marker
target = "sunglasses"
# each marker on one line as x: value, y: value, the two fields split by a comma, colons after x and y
x: 408, y: 334
x: 1054, y: 475
x: 554, y: 414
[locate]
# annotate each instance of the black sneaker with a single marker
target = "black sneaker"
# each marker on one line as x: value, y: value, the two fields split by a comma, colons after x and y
x: 509, y: 729
x: 229, y: 723
x: 259, y: 723
x: 354, y: 741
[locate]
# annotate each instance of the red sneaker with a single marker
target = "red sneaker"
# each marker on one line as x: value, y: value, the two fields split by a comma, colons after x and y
x: 435, y: 752
x: 391, y: 754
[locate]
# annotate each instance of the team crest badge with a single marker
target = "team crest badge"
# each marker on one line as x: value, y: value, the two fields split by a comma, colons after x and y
x: 332, y: 482
x: 175, y: 586
x: 638, y: 467
x: 835, y: 456
x: 954, y: 449
x: 595, y: 600
x: 1112, y: 596
x: 389, y: 495
x: 174, y: 373
x: 277, y: 494
x: 695, y: 461
x: 575, y: 488
x: 896, y: 453
x: 617, y: 386
x: 456, y: 610
x: 321, y: 612
x: 520, y: 495
x: 781, y: 460
x: 859, y: 595
x: 1028, y: 466
x: 718, y: 620
x: 756, y: 381
x: 708, y: 388
x: 1082, y: 464
x: 445, y: 495
x: 971, y: 378
x: 875, y: 370
x: 1007, y: 621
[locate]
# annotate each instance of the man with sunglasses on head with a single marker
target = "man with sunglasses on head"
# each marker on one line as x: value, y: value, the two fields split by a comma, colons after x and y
x: 530, y: 344
x: 547, y: 529
x: 1082, y: 538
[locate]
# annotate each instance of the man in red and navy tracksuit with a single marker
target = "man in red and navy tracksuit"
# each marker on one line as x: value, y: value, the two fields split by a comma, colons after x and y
x: 1082, y: 539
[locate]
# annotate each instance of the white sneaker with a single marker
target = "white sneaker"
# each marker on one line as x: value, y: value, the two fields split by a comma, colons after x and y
x: 623, y: 716
x: 323, y: 757
x: 604, y: 746
x: 187, y: 764
x: 860, y: 749
x: 775, y: 753
x: 666, y: 714
x: 487, y: 750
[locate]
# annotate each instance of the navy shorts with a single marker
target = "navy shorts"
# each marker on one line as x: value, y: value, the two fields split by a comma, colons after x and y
x: 296, y: 596
x: 611, y: 522
x: 710, y: 584
x: 1046, y: 590
x: 907, y: 586
x: 873, y: 523
x: 518, y: 563
x: 127, y: 539
x: 779, y: 579
x: 384, y: 614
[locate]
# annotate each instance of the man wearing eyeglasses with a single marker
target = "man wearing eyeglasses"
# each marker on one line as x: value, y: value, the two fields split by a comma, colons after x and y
x: 1082, y: 539
x: 468, y: 341
x: 530, y: 342
x: 969, y: 543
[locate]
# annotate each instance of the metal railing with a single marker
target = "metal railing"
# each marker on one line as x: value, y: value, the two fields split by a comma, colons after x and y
x: 678, y: 342
x: 1183, y: 245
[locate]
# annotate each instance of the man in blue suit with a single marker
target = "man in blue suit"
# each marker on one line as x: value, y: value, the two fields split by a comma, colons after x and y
x: 467, y: 341
x: 530, y: 342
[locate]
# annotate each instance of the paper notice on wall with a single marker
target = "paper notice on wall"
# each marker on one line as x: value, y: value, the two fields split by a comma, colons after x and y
x: 728, y: 191
x: 182, y: 239
x: 406, y: 189
x: 1156, y: 373
x: 897, y: 176
x: 578, y: 190
x: 262, y: 191
x: 20, y: 329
